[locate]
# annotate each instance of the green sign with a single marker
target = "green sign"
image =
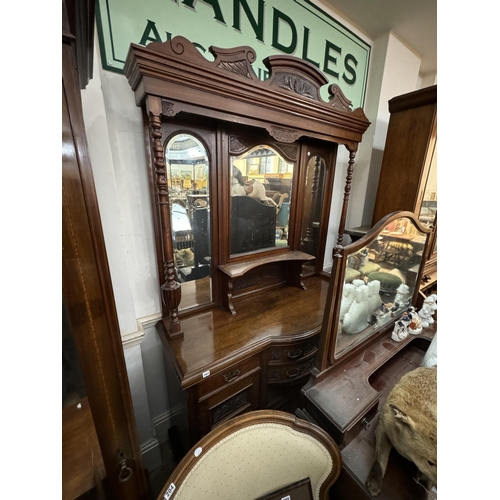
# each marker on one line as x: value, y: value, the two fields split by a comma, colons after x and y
x: 292, y: 27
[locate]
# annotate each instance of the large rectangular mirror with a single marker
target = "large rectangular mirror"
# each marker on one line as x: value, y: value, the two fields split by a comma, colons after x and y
x: 261, y: 194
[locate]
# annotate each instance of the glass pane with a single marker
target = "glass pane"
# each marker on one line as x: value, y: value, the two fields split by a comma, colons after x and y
x: 189, y: 194
x: 379, y: 282
x: 261, y: 193
x: 313, y: 204
x: 428, y: 209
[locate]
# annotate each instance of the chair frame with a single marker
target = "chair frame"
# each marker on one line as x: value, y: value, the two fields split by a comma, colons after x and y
x: 246, y: 420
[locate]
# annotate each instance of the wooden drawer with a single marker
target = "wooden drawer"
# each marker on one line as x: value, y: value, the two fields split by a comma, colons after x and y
x: 218, y: 381
x: 286, y: 373
x: 362, y: 423
x: 292, y: 352
x: 235, y: 399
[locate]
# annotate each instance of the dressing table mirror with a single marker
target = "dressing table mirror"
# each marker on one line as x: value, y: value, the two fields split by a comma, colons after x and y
x: 374, y: 288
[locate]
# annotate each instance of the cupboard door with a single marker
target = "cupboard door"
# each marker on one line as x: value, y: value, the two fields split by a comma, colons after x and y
x: 233, y: 400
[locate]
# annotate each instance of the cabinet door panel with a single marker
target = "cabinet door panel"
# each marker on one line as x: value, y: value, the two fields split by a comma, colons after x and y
x: 236, y: 399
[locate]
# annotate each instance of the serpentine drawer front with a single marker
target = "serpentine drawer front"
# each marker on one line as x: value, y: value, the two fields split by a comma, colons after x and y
x: 292, y: 352
x: 292, y: 361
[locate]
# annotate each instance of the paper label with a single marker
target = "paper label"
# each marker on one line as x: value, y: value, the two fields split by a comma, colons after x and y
x: 169, y: 491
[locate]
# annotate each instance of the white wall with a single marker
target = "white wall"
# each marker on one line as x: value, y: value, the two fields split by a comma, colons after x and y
x: 116, y: 148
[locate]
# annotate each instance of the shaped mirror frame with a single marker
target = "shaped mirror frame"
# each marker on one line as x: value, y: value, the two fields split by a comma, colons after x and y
x: 377, y: 280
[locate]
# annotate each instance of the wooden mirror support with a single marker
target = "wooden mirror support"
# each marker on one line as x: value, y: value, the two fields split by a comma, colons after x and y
x: 173, y: 80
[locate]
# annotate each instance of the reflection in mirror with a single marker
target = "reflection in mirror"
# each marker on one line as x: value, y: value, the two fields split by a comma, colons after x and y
x: 379, y: 282
x: 428, y: 208
x: 313, y: 204
x: 261, y: 184
x: 187, y: 175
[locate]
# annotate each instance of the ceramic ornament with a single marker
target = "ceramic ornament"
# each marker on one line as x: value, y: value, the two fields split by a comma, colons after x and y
x: 415, y: 326
x: 402, y: 295
x: 400, y: 331
x: 356, y: 319
x: 374, y: 300
x: 425, y: 315
x: 347, y: 299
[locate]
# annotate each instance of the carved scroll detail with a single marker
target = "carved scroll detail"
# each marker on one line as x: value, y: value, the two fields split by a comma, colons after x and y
x: 237, y: 60
x: 276, y: 355
x: 231, y: 405
x: 284, y: 134
x: 297, y: 85
x: 238, y: 67
x: 171, y: 289
x: 168, y: 108
x: 337, y: 98
x: 235, y: 146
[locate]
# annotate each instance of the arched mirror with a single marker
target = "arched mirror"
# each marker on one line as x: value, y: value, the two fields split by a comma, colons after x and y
x: 261, y: 194
x: 313, y: 206
x: 187, y: 175
x: 380, y: 280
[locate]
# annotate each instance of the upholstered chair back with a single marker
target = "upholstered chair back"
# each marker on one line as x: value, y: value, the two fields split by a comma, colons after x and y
x: 253, y: 455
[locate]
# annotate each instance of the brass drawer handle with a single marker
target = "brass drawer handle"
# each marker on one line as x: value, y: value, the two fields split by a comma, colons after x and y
x: 232, y: 375
x: 125, y: 472
x: 294, y: 354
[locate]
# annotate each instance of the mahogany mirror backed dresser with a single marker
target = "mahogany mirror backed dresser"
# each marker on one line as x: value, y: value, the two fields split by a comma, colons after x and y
x: 241, y: 179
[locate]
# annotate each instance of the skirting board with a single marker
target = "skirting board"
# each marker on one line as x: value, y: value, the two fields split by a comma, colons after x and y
x: 151, y: 455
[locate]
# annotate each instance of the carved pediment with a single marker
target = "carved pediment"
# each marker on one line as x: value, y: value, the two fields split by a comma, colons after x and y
x: 238, y: 60
x: 337, y: 98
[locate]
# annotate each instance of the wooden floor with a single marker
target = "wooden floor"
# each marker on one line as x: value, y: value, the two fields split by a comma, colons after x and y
x: 82, y: 465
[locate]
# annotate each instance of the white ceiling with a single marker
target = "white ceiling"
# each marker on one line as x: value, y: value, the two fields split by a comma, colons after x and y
x: 413, y: 21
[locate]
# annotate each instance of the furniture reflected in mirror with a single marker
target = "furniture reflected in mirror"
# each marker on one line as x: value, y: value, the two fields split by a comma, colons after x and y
x: 252, y: 456
x: 408, y: 175
x: 313, y: 206
x: 188, y: 188
x: 261, y: 185
x: 379, y: 275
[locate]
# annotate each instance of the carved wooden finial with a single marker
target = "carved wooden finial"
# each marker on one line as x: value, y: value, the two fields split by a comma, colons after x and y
x: 337, y: 98
x: 236, y: 60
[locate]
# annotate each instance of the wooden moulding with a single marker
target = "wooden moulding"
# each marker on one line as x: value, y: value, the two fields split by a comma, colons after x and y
x: 288, y: 104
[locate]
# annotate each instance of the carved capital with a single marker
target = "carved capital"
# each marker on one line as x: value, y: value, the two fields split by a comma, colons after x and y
x: 168, y: 108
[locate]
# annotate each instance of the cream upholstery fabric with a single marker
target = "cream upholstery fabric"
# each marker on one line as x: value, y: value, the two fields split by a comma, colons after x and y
x: 254, y: 461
